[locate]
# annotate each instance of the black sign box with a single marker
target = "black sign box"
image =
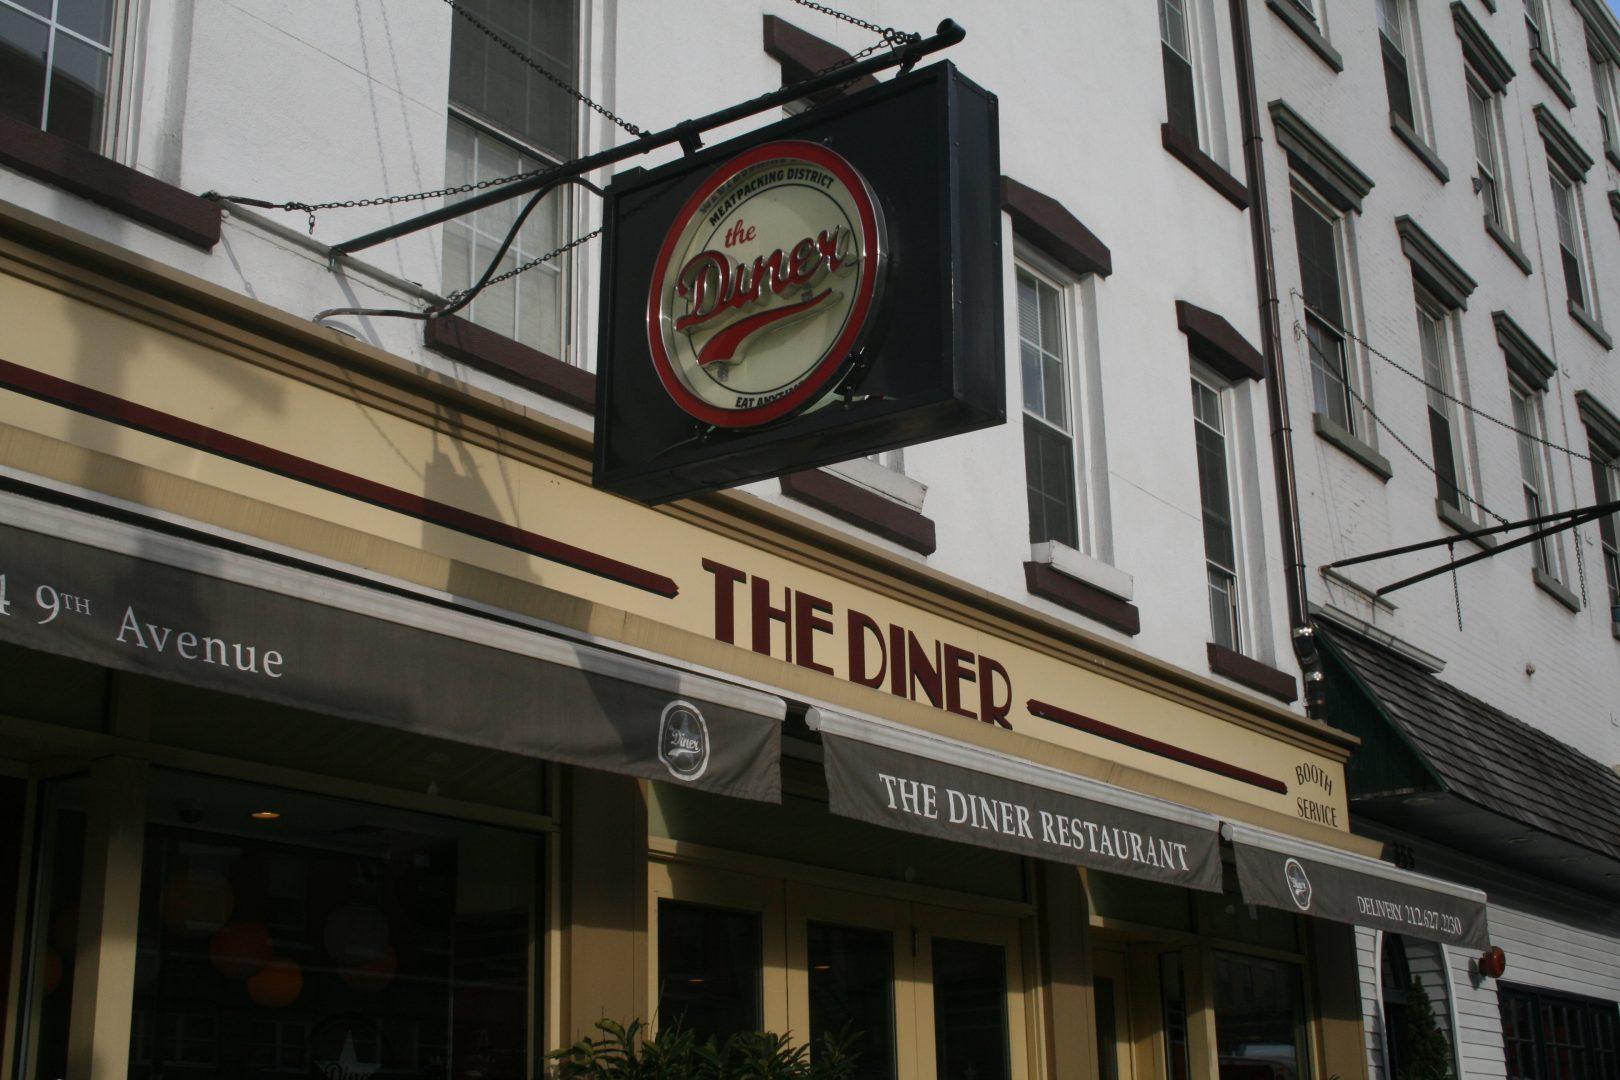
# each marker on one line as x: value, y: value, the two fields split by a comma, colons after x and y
x: 932, y: 362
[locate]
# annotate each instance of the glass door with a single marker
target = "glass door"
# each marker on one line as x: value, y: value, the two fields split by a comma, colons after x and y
x: 1111, y: 1002
x: 970, y: 996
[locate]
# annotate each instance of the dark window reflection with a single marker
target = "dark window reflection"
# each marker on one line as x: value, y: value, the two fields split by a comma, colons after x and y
x: 1259, y: 1019
x: 54, y: 944
x: 710, y: 972
x: 1173, y: 1002
x: 1107, y: 1044
x: 970, y: 1011
x: 283, y: 933
x: 851, y: 990
x: 74, y: 39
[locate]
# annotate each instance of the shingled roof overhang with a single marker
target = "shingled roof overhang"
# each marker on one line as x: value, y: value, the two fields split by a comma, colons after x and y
x: 1441, y: 763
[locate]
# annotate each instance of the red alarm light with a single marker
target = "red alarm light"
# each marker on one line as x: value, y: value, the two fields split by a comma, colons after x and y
x: 1492, y: 962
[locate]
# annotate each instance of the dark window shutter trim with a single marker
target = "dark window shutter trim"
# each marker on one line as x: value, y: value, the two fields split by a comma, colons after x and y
x: 1318, y: 160
x: 1524, y: 356
x: 148, y: 200
x: 493, y: 354
x: 1568, y: 154
x: 1083, y: 598
x: 1439, y: 272
x: 1253, y: 674
x: 1049, y: 225
x: 1553, y: 77
x: 855, y: 505
x: 1217, y: 343
x: 1207, y: 168
x: 1480, y: 51
x: 802, y: 55
x: 1308, y: 32
x: 1598, y: 418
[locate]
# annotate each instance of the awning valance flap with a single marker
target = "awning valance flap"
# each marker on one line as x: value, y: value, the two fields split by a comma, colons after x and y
x: 139, y: 600
x: 916, y: 781
x: 1303, y: 877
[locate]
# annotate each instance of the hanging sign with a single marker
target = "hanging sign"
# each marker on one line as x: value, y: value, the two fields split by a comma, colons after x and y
x: 825, y: 288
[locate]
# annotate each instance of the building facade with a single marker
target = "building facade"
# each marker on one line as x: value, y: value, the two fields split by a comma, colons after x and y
x: 348, y: 728
x: 1443, y: 180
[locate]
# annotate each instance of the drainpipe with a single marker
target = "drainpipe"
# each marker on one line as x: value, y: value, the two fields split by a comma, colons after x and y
x: 1282, y: 442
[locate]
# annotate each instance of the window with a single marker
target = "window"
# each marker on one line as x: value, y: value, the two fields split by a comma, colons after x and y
x: 1395, y: 975
x: 1049, y: 434
x: 1397, y: 70
x: 1529, y: 418
x: 506, y: 119
x: 58, y: 65
x: 710, y: 969
x: 1445, y: 436
x: 1176, y: 36
x: 1535, y: 18
x: 1548, y: 1036
x: 1603, y: 93
x: 1487, y: 167
x: 1317, y: 237
x: 1407, y: 967
x: 1567, y: 210
x: 1215, y: 499
x: 1606, y: 489
x: 1259, y: 1019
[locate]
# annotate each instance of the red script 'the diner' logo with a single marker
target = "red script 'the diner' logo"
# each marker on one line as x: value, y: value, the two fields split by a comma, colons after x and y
x: 765, y: 285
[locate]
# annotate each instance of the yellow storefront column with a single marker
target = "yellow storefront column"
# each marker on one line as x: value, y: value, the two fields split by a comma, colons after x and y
x: 109, y: 913
x: 1343, y: 1047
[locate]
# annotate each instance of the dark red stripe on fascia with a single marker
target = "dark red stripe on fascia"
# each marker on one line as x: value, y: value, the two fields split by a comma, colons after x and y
x: 165, y: 425
x: 1153, y: 746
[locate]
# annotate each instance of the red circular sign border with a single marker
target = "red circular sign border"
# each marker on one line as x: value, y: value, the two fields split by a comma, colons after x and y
x: 840, y: 350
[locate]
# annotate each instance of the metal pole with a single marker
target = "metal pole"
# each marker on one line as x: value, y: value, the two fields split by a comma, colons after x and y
x: 1581, y: 518
x: 1599, y: 510
x: 686, y: 133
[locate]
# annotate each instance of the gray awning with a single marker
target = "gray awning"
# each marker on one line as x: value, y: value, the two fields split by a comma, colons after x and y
x: 1302, y: 877
x: 904, y: 778
x: 97, y: 590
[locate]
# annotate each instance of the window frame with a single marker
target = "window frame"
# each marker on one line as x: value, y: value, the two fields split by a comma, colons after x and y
x: 1350, y: 365
x: 1605, y: 96
x: 1030, y: 263
x: 1241, y: 633
x: 1573, y: 188
x: 1548, y: 551
x: 1497, y: 212
x: 1538, y: 29
x: 1510, y: 994
x: 1452, y: 381
x: 1405, y: 24
x: 118, y: 99
x: 1606, y: 488
x: 1187, y: 55
x: 568, y: 208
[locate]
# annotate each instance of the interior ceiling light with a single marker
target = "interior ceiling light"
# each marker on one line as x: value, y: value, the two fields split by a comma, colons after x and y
x: 265, y: 815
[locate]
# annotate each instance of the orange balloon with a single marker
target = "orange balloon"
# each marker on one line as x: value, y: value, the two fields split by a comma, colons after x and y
x: 240, y: 949
x: 197, y: 902
x: 277, y: 984
x: 373, y: 975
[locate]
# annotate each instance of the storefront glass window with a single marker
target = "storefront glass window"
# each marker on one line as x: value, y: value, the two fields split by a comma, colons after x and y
x: 852, y: 991
x: 1259, y: 1019
x: 284, y: 933
x: 710, y: 969
x: 1107, y: 1043
x: 970, y: 1011
x: 1173, y: 1001
x: 54, y: 933
x: 1549, y: 1036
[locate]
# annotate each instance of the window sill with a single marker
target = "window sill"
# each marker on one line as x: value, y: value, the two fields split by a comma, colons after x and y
x: 1462, y: 523
x: 493, y: 354
x: 1612, y: 152
x: 1554, y: 588
x: 1361, y: 452
x: 855, y: 505
x: 1308, y: 31
x: 1207, y: 168
x: 1591, y: 325
x: 1253, y: 674
x: 1082, y: 567
x: 158, y: 205
x: 1509, y: 248
x: 1414, y: 142
x: 1082, y: 597
x: 881, y: 480
x: 1553, y: 77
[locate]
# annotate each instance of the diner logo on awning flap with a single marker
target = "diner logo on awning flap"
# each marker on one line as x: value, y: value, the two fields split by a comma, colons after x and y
x: 683, y: 740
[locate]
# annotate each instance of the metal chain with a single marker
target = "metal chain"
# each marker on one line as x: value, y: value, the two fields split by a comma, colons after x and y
x: 1442, y: 391
x: 891, y: 37
x: 526, y: 59
x: 460, y: 294
x: 380, y: 200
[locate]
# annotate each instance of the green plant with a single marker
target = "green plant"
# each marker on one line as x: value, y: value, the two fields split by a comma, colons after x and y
x: 624, y: 1052
x: 1427, y: 1052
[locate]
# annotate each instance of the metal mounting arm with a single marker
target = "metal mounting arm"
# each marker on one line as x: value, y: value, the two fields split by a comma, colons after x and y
x: 947, y: 34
